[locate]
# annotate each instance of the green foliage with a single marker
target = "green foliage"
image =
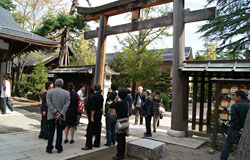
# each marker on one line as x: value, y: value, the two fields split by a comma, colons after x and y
x: 163, y: 82
x: 7, y: 4
x: 52, y: 24
x: 85, y: 52
x: 22, y: 87
x: 135, y: 62
x: 142, y: 67
x: 231, y: 28
x: 38, y: 79
x: 166, y: 101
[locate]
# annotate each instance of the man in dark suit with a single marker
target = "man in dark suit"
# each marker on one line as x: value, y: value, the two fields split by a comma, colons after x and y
x: 95, y: 117
x: 147, y: 112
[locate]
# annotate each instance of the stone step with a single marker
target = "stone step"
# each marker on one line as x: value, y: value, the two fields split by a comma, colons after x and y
x: 146, y: 149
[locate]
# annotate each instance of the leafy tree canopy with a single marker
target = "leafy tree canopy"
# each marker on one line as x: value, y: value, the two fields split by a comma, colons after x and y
x: 7, y: 4
x: 208, y: 53
x: 231, y: 28
x: 135, y: 61
x: 51, y: 24
x: 85, y: 52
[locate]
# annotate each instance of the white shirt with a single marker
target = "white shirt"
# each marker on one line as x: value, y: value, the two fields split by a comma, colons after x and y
x: 7, y: 85
x: 138, y: 103
x: 81, y: 95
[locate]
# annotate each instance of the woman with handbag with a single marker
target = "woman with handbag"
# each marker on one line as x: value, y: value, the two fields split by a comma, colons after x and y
x: 121, y: 108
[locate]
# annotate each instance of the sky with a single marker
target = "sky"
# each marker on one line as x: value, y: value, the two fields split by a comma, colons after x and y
x: 192, y: 39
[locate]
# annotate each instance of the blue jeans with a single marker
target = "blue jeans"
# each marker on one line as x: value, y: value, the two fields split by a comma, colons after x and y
x: 232, y: 136
x: 110, y: 129
x: 4, y: 102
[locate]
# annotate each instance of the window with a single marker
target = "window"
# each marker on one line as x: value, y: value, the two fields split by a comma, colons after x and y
x: 9, y: 67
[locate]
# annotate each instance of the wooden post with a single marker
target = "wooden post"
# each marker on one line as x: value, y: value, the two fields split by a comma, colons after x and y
x: 202, y: 96
x: 135, y: 15
x: 194, y: 102
x: 209, y: 103
x: 216, y: 114
x: 101, y: 50
x: 185, y: 101
x: 178, y: 124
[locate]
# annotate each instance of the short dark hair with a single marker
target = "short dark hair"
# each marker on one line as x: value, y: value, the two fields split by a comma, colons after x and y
x: 242, y: 94
x: 129, y: 90
x: 82, y: 85
x: 6, y: 76
x: 114, y: 86
x: 91, y: 90
x: 122, y: 93
x: 157, y: 93
x: 97, y: 87
x: 70, y: 86
x: 47, y: 84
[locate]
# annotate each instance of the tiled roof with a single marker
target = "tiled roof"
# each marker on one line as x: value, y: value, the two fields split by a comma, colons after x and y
x: 167, y: 55
x: 11, y: 30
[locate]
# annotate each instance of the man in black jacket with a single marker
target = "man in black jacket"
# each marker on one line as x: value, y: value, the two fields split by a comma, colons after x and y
x: 139, y: 101
x: 238, y: 116
x: 147, y: 112
x: 95, y: 124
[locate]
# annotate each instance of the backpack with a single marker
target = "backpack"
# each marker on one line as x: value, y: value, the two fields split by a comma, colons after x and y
x: 110, y: 99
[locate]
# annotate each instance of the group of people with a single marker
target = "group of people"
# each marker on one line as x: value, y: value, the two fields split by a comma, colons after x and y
x: 148, y: 107
x: 62, y: 109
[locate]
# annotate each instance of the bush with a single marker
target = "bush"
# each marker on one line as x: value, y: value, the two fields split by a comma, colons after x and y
x: 38, y: 79
x: 22, y: 88
x: 166, y: 101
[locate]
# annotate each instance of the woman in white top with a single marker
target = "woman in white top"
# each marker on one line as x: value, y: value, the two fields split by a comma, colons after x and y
x: 6, y: 94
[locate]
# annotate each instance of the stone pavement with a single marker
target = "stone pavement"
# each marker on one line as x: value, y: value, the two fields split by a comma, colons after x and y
x: 19, y: 132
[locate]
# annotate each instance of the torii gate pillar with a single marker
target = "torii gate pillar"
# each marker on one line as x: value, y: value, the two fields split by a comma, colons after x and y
x: 101, y: 50
x: 179, y: 125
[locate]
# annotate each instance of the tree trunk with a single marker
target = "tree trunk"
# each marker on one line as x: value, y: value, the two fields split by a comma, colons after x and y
x: 20, y: 67
x: 243, y: 152
x: 64, y: 52
x: 62, y: 48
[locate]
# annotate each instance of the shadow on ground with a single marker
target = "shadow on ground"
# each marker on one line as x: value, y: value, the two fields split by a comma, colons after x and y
x: 6, y: 129
x: 105, y: 154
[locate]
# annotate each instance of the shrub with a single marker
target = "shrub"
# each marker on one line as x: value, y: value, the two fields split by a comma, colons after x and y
x: 166, y: 101
x: 22, y: 88
x: 38, y: 79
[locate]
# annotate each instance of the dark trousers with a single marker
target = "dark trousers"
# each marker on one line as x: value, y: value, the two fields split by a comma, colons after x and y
x: 231, y: 137
x: 44, y: 127
x: 52, y: 124
x: 138, y: 112
x: 121, y: 144
x: 5, y: 101
x: 94, y: 128
x: 110, y: 129
x: 148, y: 125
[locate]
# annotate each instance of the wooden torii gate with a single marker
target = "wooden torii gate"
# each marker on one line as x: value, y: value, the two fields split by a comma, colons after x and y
x: 179, y: 118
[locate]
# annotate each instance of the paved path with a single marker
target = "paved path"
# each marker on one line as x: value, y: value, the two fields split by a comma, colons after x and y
x: 19, y: 132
